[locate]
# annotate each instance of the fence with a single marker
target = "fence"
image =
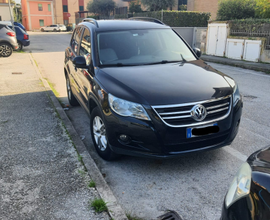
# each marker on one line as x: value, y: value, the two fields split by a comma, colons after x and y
x: 265, y: 34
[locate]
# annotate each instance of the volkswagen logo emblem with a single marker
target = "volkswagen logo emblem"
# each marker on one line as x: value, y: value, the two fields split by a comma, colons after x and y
x: 198, y: 112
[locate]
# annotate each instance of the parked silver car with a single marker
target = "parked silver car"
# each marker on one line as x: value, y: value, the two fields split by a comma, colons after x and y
x: 54, y: 28
x: 8, y: 41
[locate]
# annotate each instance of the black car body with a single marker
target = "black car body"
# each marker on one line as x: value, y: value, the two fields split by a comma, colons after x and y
x: 248, y: 197
x: 153, y: 95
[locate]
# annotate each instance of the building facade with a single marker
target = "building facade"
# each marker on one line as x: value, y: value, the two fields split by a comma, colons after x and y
x: 65, y: 10
x: 204, y: 6
x: 4, y: 10
x: 37, y: 13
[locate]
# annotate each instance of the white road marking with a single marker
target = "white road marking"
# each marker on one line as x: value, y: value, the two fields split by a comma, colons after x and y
x: 235, y: 153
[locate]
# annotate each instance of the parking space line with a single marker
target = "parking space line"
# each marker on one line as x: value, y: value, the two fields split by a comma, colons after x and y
x: 235, y: 153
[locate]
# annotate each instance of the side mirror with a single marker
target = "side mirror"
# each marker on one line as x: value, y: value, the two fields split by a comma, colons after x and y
x: 79, y: 62
x: 197, y: 51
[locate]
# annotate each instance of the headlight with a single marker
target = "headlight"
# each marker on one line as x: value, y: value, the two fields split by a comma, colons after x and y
x: 126, y: 108
x: 236, y: 95
x: 240, y: 185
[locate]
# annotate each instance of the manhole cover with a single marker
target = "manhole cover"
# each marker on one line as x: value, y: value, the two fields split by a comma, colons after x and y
x: 170, y: 215
x: 250, y: 97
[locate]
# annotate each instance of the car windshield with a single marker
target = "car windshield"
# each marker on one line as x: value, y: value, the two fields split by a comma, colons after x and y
x: 141, y: 47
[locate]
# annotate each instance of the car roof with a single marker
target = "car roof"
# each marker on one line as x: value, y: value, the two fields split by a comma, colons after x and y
x: 110, y: 25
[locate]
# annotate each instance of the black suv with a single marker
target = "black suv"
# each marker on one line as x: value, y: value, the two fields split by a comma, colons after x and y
x: 147, y: 92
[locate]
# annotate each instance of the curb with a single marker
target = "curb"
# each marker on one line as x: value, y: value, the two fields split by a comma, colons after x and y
x: 115, y: 210
x: 246, y: 65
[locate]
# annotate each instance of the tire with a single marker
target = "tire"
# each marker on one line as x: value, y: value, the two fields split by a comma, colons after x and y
x: 99, y: 136
x: 54, y: 30
x: 42, y: 30
x: 20, y: 46
x: 71, y: 98
x: 5, y: 50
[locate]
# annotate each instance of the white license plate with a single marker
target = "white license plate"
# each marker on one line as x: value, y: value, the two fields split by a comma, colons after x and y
x: 202, y: 130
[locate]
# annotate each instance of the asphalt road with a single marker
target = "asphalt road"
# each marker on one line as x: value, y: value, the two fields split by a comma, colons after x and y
x: 193, y: 185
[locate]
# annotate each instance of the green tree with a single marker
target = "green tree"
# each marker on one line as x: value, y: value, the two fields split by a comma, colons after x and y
x: 157, y: 5
x: 236, y: 9
x: 135, y: 7
x: 101, y: 7
x: 262, y: 8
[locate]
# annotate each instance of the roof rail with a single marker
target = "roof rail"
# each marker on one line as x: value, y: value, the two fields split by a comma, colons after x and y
x: 91, y: 20
x: 147, y: 19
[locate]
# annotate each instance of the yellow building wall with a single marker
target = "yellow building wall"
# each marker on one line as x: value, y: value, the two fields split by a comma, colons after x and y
x: 204, y: 6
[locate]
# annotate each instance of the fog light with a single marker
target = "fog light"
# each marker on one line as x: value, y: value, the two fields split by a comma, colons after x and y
x: 123, y: 137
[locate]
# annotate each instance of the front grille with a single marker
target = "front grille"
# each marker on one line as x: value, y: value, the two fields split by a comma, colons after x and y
x: 180, y: 115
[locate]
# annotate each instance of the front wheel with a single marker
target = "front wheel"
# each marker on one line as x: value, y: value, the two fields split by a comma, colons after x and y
x: 71, y: 98
x: 5, y: 50
x: 99, y: 136
x: 54, y: 30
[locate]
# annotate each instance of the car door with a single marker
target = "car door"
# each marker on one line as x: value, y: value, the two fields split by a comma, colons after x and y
x: 85, y: 75
x: 73, y: 51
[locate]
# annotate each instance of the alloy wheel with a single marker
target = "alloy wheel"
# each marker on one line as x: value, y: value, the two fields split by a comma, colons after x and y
x: 99, y: 131
x: 5, y: 50
x: 68, y: 89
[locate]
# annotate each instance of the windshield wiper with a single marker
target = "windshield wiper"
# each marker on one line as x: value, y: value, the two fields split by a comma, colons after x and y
x: 163, y: 62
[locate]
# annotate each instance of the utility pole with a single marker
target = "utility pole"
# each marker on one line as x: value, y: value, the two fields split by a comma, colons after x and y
x: 11, y: 16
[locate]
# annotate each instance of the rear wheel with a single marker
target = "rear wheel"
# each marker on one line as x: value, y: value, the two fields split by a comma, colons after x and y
x: 5, y: 50
x: 71, y: 98
x: 20, y: 46
x: 99, y: 136
x: 54, y: 30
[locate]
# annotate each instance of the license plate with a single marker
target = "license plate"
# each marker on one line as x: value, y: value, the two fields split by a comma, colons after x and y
x: 202, y: 130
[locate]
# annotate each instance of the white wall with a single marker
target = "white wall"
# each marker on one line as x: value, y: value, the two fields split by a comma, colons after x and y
x: 4, y: 13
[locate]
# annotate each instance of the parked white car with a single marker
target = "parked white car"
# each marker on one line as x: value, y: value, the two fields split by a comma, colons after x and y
x: 54, y: 27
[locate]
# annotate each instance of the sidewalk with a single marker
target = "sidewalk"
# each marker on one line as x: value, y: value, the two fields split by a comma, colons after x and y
x: 238, y: 63
x: 40, y: 174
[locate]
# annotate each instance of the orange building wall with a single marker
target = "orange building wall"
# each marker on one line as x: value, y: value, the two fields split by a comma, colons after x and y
x: 31, y: 15
x: 204, y: 6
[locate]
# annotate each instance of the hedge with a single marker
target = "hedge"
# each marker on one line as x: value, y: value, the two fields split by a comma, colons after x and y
x: 250, y: 25
x: 178, y: 18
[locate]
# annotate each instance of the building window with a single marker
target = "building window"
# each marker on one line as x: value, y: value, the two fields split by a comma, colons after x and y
x: 81, y: 8
x: 49, y: 7
x: 65, y: 8
x: 40, y: 7
x: 41, y: 23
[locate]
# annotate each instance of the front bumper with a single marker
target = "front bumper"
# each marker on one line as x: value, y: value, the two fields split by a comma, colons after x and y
x: 155, y: 139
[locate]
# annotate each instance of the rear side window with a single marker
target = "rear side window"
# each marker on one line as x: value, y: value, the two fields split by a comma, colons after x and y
x: 76, y: 39
x: 85, y: 47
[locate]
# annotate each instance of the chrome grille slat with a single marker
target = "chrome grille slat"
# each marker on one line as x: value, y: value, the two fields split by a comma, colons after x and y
x: 172, y: 115
x: 217, y: 106
x: 175, y: 113
x: 176, y: 117
x: 218, y: 110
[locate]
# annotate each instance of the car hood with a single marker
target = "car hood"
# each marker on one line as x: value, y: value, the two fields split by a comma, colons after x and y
x: 260, y: 160
x: 165, y: 84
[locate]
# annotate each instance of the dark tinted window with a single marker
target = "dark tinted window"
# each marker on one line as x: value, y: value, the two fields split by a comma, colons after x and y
x: 76, y: 39
x: 85, y: 47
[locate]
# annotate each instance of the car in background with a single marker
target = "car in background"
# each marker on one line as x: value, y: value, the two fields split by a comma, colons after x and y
x: 8, y: 41
x: 22, y: 37
x: 54, y: 28
x: 20, y: 25
x: 248, y: 197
